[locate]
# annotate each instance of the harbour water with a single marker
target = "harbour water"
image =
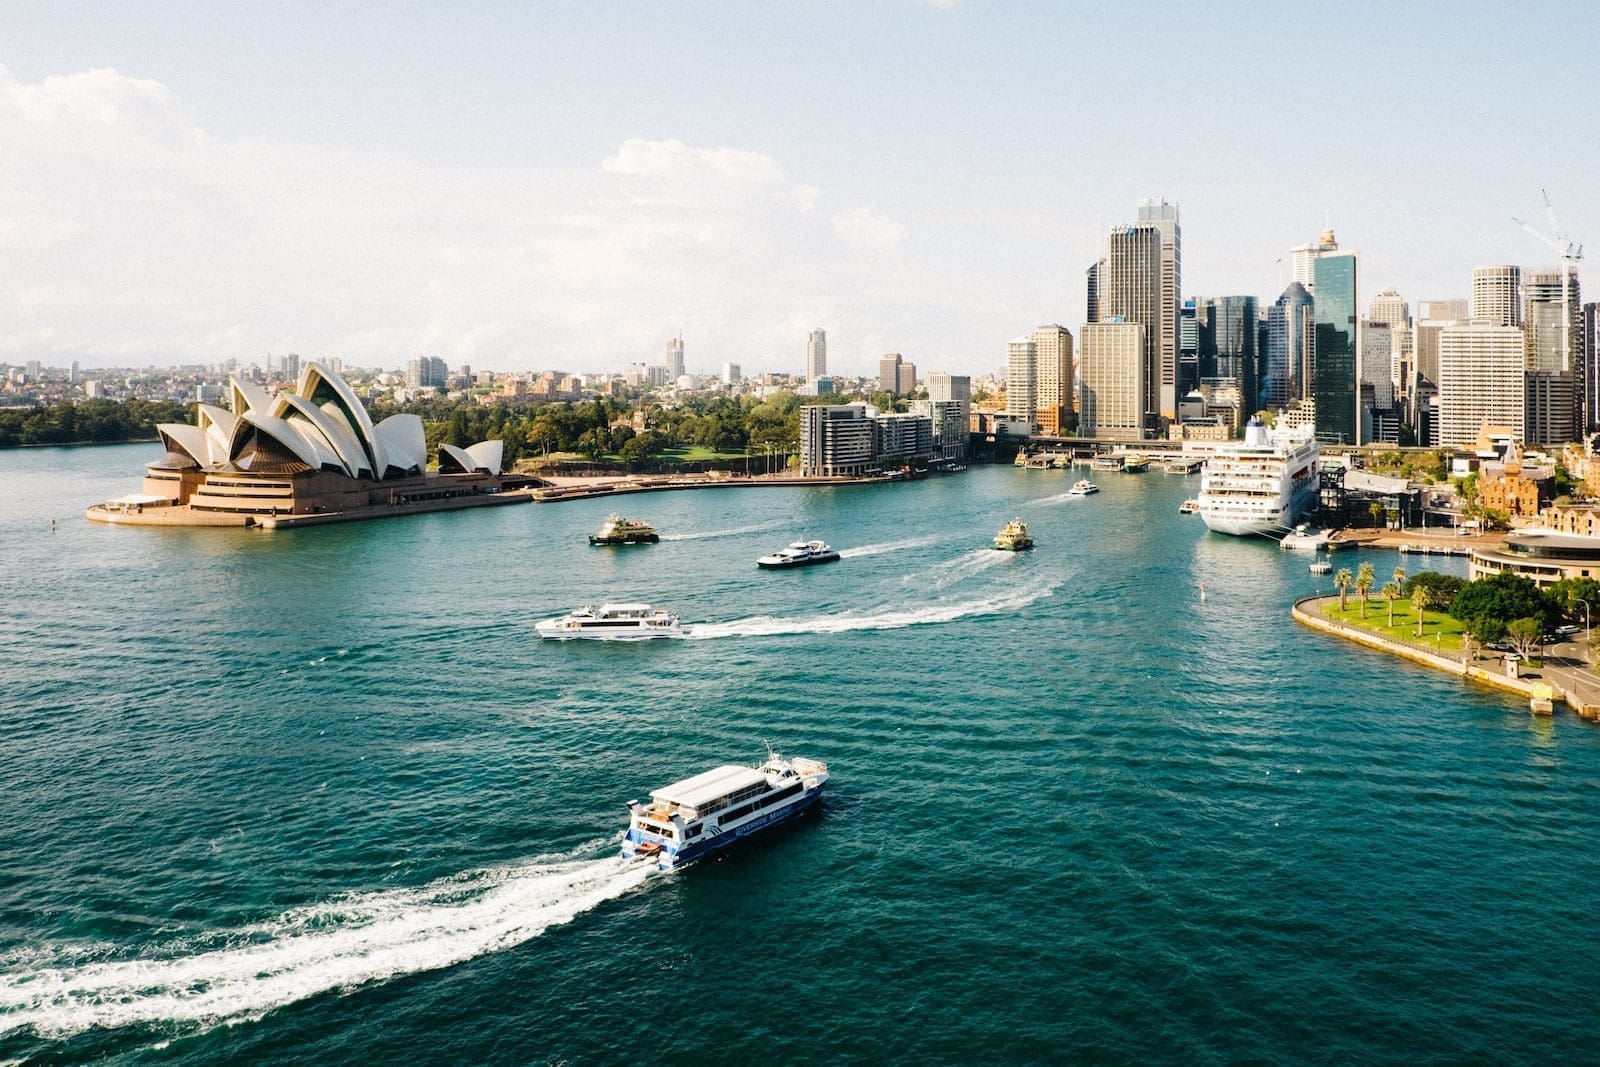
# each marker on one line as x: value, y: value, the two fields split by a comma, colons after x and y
x: 321, y: 796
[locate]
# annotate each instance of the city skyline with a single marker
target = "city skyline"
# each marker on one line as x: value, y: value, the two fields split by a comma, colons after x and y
x: 280, y: 197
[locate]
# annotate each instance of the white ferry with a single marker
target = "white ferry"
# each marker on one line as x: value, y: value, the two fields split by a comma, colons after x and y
x: 692, y: 818
x: 612, y: 622
x: 1262, y: 484
x: 800, y: 554
x: 1083, y: 488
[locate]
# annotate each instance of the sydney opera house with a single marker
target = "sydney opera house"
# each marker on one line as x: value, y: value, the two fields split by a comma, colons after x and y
x: 305, y: 456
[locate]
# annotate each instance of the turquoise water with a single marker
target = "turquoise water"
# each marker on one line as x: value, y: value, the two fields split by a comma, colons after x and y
x: 320, y: 796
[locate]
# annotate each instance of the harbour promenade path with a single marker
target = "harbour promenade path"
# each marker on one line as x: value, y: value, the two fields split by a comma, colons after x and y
x: 1572, y: 681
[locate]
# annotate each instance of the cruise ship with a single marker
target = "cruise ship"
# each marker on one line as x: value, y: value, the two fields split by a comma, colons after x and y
x: 687, y: 820
x: 1261, y: 485
x: 612, y: 622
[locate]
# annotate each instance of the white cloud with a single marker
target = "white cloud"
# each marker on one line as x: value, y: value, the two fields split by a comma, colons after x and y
x: 869, y: 229
x: 676, y: 160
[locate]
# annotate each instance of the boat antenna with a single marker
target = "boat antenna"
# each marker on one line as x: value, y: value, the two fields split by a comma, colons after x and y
x: 771, y: 752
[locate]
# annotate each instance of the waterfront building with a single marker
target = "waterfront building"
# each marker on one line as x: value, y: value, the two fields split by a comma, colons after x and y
x: 1497, y: 294
x: 1390, y: 307
x: 1022, y: 378
x: 889, y: 373
x: 1542, y: 556
x: 1155, y: 211
x: 1290, y: 336
x: 1130, y: 292
x: 1481, y: 381
x: 906, y: 379
x: 836, y: 440
x: 1053, y: 399
x: 311, y: 449
x: 1336, y: 359
x: 947, y: 421
x: 816, y: 354
x: 1111, y: 371
x: 902, y: 436
x: 675, y: 359
x: 956, y: 388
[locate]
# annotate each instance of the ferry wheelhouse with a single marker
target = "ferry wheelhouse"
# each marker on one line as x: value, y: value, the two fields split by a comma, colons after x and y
x: 688, y: 820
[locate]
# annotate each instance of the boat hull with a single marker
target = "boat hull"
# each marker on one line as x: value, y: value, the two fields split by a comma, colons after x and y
x: 670, y: 859
x: 551, y: 632
x: 832, y: 557
x: 644, y: 539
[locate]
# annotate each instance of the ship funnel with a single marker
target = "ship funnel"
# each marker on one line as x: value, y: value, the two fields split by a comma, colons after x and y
x: 1255, y: 433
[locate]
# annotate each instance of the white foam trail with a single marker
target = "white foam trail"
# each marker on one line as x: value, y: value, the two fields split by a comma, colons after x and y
x: 341, y: 944
x: 703, y: 535
x: 767, y: 626
x: 1059, y: 498
x: 963, y: 566
x: 889, y: 546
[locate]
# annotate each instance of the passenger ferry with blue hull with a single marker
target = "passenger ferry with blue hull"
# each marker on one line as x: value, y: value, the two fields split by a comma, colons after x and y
x: 688, y: 820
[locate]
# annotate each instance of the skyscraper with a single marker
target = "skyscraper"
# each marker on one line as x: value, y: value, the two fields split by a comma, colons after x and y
x: 1022, y: 363
x: 1497, y: 295
x: 1286, y: 375
x: 1304, y: 259
x: 1390, y: 307
x: 1336, y: 357
x: 1091, y: 287
x: 291, y: 366
x: 1053, y: 401
x: 1228, y: 342
x: 1130, y: 291
x: 675, y: 359
x: 1481, y: 381
x: 906, y: 379
x: 889, y: 373
x: 1550, y: 347
x: 1188, y: 348
x: 816, y: 354
x: 1377, y: 362
x: 1112, y: 387
x: 1156, y: 212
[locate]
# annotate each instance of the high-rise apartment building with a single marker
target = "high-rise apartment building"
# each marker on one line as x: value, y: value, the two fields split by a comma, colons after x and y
x: 889, y: 373
x: 1336, y: 355
x: 425, y: 372
x: 1155, y: 211
x: 731, y: 374
x: 906, y: 379
x: 1022, y: 379
x: 956, y: 388
x: 1053, y: 397
x: 949, y: 422
x: 816, y: 354
x: 1112, y: 388
x: 1130, y: 291
x: 1497, y: 295
x: 1481, y: 381
x: 1390, y: 307
x: 1286, y: 374
x: 675, y: 359
x: 291, y: 367
x: 836, y: 440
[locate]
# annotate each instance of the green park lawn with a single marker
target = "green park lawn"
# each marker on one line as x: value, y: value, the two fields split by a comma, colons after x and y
x: 1405, y: 621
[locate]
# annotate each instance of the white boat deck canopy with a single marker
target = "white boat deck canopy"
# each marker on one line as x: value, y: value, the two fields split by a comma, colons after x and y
x: 708, y: 786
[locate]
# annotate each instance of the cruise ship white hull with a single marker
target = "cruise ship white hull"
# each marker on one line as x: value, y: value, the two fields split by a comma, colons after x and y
x: 1259, y: 487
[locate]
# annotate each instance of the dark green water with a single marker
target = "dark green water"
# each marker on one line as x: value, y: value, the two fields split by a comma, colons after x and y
x: 319, y: 796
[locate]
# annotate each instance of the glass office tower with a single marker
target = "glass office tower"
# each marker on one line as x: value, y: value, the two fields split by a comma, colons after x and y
x: 1336, y: 384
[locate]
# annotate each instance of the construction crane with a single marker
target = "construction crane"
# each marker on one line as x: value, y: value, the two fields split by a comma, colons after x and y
x: 1570, y: 254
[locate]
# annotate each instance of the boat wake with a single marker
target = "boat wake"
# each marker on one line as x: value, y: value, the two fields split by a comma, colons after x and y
x: 705, y: 535
x: 767, y: 626
x: 963, y: 566
x: 340, y: 944
x: 889, y: 546
x: 1059, y: 498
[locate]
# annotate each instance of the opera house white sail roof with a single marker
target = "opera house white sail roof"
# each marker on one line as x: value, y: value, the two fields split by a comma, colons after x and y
x: 320, y: 425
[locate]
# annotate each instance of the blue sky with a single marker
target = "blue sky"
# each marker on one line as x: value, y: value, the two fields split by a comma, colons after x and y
x: 568, y: 186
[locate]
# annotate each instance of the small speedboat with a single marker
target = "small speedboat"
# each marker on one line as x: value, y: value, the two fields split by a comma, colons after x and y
x: 1013, y: 537
x: 1321, y: 566
x: 800, y: 554
x: 1189, y: 507
x: 1083, y: 488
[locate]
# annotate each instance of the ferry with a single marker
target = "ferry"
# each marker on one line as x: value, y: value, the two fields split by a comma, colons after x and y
x: 800, y: 554
x: 612, y: 622
x: 1083, y: 488
x: 1261, y: 485
x: 617, y: 530
x: 1106, y: 463
x: 1013, y: 537
x: 1189, y: 507
x: 687, y: 820
x: 1137, y: 463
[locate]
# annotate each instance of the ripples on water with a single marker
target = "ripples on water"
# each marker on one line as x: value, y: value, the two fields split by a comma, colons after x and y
x: 326, y: 780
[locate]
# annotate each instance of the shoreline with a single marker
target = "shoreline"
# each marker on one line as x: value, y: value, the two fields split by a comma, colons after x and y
x: 629, y: 484
x: 1535, y: 688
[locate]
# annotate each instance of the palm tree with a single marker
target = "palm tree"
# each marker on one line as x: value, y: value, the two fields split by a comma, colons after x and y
x: 1343, y: 580
x: 1392, y: 592
x: 1364, y: 582
x: 1421, y: 600
x: 1400, y: 577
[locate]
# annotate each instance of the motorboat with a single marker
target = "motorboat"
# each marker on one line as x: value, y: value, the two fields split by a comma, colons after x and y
x: 612, y: 622
x: 800, y: 554
x: 1083, y: 488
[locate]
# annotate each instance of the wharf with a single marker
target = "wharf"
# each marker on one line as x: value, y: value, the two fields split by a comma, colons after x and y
x: 1418, y: 542
x: 182, y: 515
x: 624, y: 484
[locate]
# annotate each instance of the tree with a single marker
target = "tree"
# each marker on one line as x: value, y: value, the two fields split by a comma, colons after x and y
x: 1442, y: 588
x: 1421, y: 601
x: 1343, y: 580
x: 1391, y: 592
x: 1364, y: 582
x: 1376, y: 510
x: 1524, y: 635
x: 1484, y: 631
x: 1501, y: 596
x: 1569, y: 595
x: 1400, y: 577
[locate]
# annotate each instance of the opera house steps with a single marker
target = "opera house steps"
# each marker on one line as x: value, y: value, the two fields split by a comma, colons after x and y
x: 305, y: 457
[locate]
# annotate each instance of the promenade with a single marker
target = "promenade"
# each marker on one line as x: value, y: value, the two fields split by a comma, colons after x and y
x: 1564, y: 676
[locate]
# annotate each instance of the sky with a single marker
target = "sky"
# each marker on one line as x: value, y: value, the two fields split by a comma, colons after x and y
x: 568, y: 185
